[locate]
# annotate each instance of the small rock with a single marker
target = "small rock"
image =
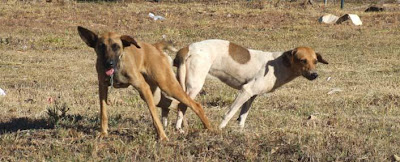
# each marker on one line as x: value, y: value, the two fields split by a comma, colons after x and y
x: 334, y: 90
x: 328, y: 79
x: 2, y: 93
x: 29, y: 100
x: 50, y: 100
x: 328, y: 19
x: 332, y: 19
x: 355, y: 19
x: 374, y: 9
x: 273, y: 150
x: 312, y: 117
x: 156, y: 17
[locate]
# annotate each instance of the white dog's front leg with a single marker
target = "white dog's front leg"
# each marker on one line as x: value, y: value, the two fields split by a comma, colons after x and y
x: 245, y: 111
x: 239, y: 101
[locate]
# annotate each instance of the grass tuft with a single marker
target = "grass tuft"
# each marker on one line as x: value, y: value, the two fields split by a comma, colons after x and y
x: 57, y: 112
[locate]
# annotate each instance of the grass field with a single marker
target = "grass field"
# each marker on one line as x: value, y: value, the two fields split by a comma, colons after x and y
x: 51, y: 110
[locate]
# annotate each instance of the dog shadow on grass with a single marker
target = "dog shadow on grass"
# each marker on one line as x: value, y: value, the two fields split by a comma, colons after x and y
x: 88, y: 125
x: 24, y: 123
x: 77, y: 122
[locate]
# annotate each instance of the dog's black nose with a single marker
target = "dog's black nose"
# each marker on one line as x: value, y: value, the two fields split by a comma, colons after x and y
x: 110, y: 63
x: 313, y: 76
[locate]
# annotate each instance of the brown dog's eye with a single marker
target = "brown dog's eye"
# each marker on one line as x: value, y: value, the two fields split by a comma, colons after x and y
x: 304, y: 61
x: 102, y: 46
x: 115, y: 47
x: 315, y: 61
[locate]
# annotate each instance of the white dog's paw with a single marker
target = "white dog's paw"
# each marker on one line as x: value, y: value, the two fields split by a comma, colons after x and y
x: 221, y: 126
x: 241, y: 128
x: 181, y: 131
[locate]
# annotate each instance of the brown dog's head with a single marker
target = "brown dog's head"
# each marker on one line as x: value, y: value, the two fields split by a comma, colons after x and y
x: 303, y: 61
x: 109, y: 46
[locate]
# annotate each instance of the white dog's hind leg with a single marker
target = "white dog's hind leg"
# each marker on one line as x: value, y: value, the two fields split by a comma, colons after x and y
x: 192, y: 93
x: 197, y: 72
x: 164, y: 115
x: 181, y: 112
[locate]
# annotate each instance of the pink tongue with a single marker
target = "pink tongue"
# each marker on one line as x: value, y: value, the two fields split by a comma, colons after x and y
x: 110, y: 72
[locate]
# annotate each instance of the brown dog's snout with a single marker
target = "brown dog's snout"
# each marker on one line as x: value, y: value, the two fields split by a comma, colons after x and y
x: 310, y: 75
x: 110, y: 64
x: 313, y: 75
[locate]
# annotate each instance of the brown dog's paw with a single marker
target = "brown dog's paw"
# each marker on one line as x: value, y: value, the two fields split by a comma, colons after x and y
x: 103, y: 134
x: 212, y: 130
x: 163, y: 138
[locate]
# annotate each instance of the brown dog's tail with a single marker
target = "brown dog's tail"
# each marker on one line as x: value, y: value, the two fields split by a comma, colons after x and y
x: 179, y: 62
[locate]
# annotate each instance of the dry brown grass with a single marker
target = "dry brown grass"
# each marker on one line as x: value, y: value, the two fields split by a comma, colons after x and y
x: 42, y: 56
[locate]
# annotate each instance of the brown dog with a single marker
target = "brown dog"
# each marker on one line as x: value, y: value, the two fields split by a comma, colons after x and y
x: 121, y: 61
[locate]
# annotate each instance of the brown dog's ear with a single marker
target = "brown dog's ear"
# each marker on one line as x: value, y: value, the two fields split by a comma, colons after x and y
x: 320, y: 59
x: 88, y: 36
x: 128, y: 40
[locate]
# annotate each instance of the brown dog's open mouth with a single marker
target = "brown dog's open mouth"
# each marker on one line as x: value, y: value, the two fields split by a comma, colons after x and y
x: 110, y: 72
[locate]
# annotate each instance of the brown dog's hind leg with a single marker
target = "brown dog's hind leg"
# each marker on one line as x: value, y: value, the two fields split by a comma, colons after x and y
x: 174, y: 90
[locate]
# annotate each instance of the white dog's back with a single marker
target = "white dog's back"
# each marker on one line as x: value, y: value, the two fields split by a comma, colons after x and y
x: 232, y: 64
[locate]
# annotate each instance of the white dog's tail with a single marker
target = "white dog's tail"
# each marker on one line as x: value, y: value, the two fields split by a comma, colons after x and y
x: 165, y: 45
x: 179, y: 62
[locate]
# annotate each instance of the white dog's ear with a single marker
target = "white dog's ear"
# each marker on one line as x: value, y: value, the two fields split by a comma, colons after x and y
x: 128, y: 40
x: 294, y: 51
x: 320, y: 59
x: 89, y: 37
x: 288, y: 57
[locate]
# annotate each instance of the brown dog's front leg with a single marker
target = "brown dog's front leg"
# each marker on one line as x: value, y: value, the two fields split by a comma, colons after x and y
x: 103, y: 90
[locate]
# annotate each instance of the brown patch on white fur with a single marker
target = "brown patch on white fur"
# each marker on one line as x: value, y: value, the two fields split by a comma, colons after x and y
x: 181, y: 56
x: 239, y: 53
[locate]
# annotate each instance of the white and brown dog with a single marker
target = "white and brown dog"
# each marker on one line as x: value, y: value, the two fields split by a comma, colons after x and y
x: 252, y: 72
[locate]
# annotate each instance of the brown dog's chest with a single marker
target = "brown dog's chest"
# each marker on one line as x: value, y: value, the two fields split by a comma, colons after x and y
x: 120, y: 80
